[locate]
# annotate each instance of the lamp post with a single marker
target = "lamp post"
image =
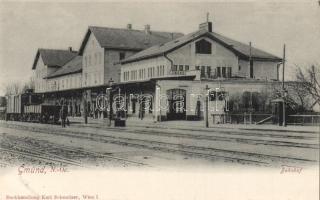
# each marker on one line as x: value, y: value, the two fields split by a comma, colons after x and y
x: 85, y: 108
x: 158, y: 102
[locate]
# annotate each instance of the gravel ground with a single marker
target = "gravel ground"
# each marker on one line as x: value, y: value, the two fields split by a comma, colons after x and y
x: 96, y: 145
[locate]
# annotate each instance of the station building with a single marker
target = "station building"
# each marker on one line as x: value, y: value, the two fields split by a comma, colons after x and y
x: 78, y: 77
x: 186, y: 68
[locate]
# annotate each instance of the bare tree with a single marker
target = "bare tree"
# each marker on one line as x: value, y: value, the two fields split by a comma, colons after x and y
x: 310, y: 82
x: 28, y: 85
x: 290, y: 99
x: 16, y: 87
x: 12, y: 88
x: 299, y: 95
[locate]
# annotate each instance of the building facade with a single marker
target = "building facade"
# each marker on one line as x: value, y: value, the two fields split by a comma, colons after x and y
x: 79, y: 77
x: 181, y: 72
x: 46, y: 62
x: 103, y: 48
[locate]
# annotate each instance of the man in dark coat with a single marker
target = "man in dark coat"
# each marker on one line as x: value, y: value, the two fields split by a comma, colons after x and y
x: 63, y: 115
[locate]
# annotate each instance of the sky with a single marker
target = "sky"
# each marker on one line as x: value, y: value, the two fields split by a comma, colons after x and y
x: 26, y: 26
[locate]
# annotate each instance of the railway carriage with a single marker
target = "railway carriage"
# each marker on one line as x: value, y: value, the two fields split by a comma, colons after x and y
x: 3, y: 103
x: 29, y: 107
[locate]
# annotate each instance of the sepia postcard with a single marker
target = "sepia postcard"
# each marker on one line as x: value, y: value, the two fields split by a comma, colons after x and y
x: 159, y: 100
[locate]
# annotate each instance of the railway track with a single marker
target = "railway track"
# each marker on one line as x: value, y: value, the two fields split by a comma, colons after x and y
x: 196, y: 151
x: 227, y: 139
x: 249, y: 132
x: 19, y: 148
x: 35, y: 156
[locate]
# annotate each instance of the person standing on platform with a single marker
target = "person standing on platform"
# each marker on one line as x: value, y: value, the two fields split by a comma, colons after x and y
x: 63, y: 115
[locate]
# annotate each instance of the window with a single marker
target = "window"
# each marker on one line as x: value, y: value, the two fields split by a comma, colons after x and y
x: 174, y: 68
x: 122, y: 55
x: 135, y: 75
x: 125, y: 76
x: 229, y: 72
x: 239, y: 67
x: 208, y: 71
x: 95, y: 59
x: 218, y: 71
x: 186, y: 67
x: 203, y: 47
x: 203, y: 69
x: 180, y: 67
x: 158, y: 71
x: 224, y: 75
x: 197, y: 67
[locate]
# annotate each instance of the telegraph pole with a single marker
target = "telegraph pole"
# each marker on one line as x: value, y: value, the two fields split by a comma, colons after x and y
x: 207, y: 107
x: 250, y: 61
x: 283, y: 89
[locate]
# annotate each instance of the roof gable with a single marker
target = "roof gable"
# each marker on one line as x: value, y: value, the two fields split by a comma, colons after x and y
x: 71, y: 67
x: 114, y: 38
x: 240, y: 49
x: 54, y: 57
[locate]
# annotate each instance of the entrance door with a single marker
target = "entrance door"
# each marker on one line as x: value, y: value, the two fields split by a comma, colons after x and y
x: 177, y: 104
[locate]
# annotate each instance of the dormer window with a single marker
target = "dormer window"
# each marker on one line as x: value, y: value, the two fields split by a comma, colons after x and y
x: 122, y: 55
x: 203, y: 47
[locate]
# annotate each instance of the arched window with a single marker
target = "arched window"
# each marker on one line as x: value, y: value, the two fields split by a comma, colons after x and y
x: 203, y: 47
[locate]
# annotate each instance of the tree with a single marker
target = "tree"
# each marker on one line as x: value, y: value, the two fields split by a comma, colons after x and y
x: 310, y: 82
x: 292, y: 102
x: 28, y: 85
x: 16, y: 87
x: 13, y: 88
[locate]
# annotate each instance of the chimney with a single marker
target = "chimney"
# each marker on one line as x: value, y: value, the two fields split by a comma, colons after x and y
x: 129, y: 26
x: 147, y: 28
x: 70, y: 49
x: 206, y: 26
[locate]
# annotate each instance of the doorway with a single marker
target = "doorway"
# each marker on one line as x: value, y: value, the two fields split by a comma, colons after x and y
x: 176, y: 104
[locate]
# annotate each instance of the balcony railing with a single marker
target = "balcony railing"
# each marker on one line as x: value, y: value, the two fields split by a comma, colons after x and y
x: 200, y: 74
x: 177, y: 72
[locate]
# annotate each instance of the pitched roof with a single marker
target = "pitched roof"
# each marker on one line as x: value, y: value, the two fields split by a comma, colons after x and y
x: 54, y: 57
x: 71, y: 67
x: 116, y: 38
x: 240, y: 49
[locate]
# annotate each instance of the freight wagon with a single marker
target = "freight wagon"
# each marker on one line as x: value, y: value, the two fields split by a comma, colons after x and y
x: 3, y: 103
x: 29, y: 107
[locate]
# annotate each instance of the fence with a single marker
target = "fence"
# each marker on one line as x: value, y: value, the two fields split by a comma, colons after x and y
x: 248, y: 118
x: 304, y: 120
x: 268, y: 118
